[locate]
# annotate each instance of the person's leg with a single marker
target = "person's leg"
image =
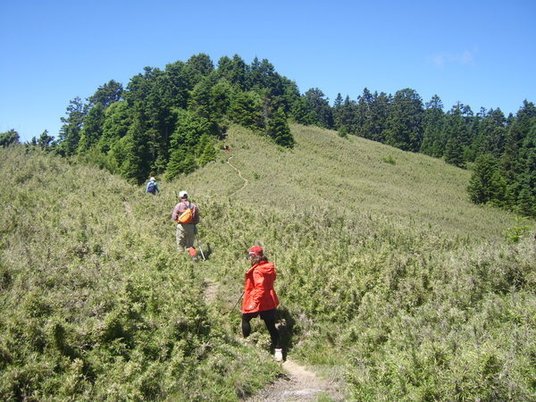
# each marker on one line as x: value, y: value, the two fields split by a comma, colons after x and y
x: 269, y: 320
x: 180, y: 238
x: 246, y: 327
x: 189, y: 236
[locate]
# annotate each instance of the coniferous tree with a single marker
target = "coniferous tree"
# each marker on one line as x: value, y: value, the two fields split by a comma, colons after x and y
x: 344, y: 115
x: 206, y: 150
x: 290, y: 97
x: 455, y: 130
x: 115, y: 126
x: 72, y: 126
x: 318, y: 108
x: 517, y: 132
x: 197, y: 68
x: 142, y: 147
x: 486, y: 183
x: 491, y: 133
x: 200, y: 97
x: 472, y: 128
x: 246, y: 109
x: 511, y: 162
x: 94, y: 115
x: 377, y: 118
x: 211, y: 99
x: 136, y: 164
x: 363, y: 113
x: 235, y: 71
x: 404, y: 125
x: 526, y: 200
x: 221, y: 95
x: 366, y: 124
x: 454, y: 151
x: 433, y: 143
x: 149, y: 100
x: 8, y: 138
x: 263, y: 78
x: 338, y: 101
x: 107, y: 94
x: 302, y: 113
x: 184, y: 143
x: 177, y: 84
x: 92, y: 126
x: 337, y: 113
x: 45, y: 141
x: 278, y: 129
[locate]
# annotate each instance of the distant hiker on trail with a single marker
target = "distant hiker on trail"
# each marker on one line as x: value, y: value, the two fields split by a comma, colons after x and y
x: 186, y: 214
x: 152, y: 186
x: 260, y: 298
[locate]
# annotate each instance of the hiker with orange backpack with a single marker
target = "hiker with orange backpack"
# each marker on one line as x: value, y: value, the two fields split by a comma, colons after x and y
x: 260, y: 298
x: 186, y: 215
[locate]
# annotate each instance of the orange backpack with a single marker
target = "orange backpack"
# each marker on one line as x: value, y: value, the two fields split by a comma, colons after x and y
x: 187, y: 216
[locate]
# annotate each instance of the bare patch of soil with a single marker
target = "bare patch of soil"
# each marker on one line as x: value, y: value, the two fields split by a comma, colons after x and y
x: 211, y: 291
x: 299, y: 384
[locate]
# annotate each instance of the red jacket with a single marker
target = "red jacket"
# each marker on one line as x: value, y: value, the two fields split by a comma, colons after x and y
x: 259, y: 293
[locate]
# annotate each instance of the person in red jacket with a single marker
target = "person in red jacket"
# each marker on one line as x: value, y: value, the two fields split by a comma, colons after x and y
x: 260, y: 298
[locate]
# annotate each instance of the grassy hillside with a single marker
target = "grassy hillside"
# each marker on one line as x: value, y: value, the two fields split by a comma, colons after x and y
x: 391, y: 281
x: 356, y: 177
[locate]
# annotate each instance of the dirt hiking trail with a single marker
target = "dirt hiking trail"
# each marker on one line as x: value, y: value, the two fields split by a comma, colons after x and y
x: 239, y: 175
x: 298, y: 384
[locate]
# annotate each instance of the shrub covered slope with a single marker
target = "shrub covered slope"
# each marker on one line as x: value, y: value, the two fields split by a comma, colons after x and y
x: 390, y: 279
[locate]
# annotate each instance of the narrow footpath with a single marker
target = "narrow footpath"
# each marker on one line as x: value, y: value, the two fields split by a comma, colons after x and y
x: 239, y: 175
x: 298, y: 384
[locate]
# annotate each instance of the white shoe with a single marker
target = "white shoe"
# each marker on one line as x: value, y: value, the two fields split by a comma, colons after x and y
x: 278, y: 355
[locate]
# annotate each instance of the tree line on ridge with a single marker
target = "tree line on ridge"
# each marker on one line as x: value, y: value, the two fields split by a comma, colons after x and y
x: 170, y: 121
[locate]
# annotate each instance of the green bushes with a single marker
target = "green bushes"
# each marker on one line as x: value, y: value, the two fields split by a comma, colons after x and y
x: 413, y: 298
x: 461, y: 342
x: 95, y: 305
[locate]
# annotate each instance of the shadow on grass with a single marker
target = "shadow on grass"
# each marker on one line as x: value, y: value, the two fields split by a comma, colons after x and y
x: 285, y: 326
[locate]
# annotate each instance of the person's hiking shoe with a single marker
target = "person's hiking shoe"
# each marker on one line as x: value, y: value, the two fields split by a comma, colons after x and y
x: 278, y: 355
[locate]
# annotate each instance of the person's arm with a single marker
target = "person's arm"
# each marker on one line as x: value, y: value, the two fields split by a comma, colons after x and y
x: 175, y: 213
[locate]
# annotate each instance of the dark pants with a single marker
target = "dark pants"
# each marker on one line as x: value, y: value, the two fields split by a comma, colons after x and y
x: 268, y: 317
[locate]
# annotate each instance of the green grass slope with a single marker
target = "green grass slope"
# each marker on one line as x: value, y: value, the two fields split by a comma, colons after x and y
x: 95, y: 302
x: 391, y: 282
x: 354, y: 177
x: 385, y: 266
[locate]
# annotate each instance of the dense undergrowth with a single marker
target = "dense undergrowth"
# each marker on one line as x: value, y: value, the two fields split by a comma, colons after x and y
x: 391, y: 282
x: 96, y: 305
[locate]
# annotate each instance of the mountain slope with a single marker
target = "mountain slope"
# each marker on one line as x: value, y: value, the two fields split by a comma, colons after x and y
x: 385, y: 267
x: 389, y: 278
x: 354, y: 176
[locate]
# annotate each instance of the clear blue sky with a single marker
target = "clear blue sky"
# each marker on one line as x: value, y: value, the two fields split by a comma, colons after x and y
x: 481, y: 53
